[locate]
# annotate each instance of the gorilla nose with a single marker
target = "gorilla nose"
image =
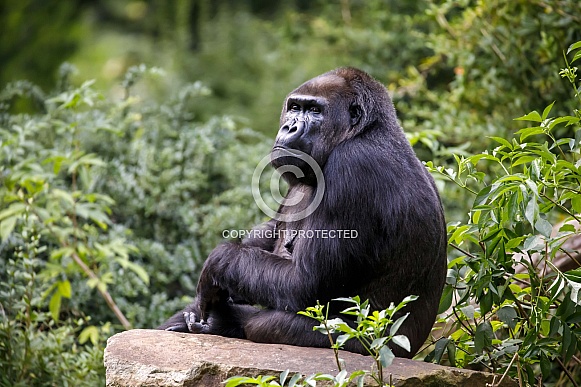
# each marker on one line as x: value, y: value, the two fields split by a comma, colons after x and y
x: 295, y: 129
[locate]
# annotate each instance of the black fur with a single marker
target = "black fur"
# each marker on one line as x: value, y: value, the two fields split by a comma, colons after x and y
x: 375, y: 185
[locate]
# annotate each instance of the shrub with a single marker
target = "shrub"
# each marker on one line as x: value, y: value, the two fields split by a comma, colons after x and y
x: 510, y: 304
x: 107, y: 208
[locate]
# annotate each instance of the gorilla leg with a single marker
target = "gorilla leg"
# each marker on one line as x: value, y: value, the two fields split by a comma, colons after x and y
x: 280, y: 327
x: 261, y: 326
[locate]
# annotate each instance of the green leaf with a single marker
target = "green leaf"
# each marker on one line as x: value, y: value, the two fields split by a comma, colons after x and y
x: 534, y: 242
x: 483, y: 336
x: 476, y: 158
x: 576, y: 202
x: 527, y: 132
x: 486, y: 302
x: 239, y: 381
x: 296, y: 377
x: 546, y: 366
x: 502, y: 141
x: 574, y: 281
x: 571, y: 346
x: 573, y: 275
x: 54, y: 305
x: 547, y: 111
x: 575, y: 318
x: 567, y: 227
x: 574, y: 46
x: 89, y: 333
x: 140, y: 271
x: 468, y: 311
x: 532, y: 116
x: 342, y: 339
x: 378, y: 343
x: 559, y: 120
x: 13, y: 210
x: 556, y: 287
x: 386, y: 356
x: 451, y: 353
x: 64, y: 288
x: 456, y: 237
x: 402, y: 341
x: 544, y: 227
x: 482, y: 196
x: 64, y: 195
x: 7, y: 226
x: 508, y: 315
x: 532, y: 211
x: 395, y: 327
x: 524, y: 159
x: 446, y: 299
x: 439, y: 349
x: 283, y: 376
x: 555, y: 325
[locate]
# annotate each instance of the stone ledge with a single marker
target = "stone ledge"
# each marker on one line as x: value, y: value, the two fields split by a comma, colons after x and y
x: 154, y: 358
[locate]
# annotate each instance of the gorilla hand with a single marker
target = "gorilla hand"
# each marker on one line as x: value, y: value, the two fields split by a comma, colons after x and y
x: 188, y: 320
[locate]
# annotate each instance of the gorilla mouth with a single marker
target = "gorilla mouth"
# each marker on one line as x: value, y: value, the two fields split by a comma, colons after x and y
x: 284, y: 151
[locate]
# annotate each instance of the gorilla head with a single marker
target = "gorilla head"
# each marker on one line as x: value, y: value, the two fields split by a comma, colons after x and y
x: 326, y: 111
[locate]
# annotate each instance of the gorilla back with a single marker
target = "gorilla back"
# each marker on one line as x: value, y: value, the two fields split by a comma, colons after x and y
x: 374, y: 186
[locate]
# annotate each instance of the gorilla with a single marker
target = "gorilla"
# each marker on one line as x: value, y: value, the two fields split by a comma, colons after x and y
x: 371, y: 184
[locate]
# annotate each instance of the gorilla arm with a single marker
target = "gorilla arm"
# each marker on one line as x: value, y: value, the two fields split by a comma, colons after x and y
x: 257, y: 276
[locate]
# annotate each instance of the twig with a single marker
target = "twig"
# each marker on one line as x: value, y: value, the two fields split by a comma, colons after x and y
x: 462, y: 250
x: 507, y: 369
x: 571, y: 378
x: 104, y: 293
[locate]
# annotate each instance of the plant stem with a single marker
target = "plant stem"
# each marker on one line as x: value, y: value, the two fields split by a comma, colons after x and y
x: 104, y: 293
x: 571, y: 378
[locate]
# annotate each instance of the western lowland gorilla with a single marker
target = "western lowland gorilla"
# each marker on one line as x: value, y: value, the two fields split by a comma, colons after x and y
x: 374, y: 187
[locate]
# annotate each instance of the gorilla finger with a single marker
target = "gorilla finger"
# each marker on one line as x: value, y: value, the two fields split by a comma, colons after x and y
x: 178, y: 328
x: 195, y: 326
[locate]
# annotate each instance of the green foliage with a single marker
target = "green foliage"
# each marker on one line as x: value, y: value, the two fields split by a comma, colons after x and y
x: 35, y: 348
x: 139, y: 183
x: 342, y: 379
x: 107, y: 206
x: 371, y: 331
x: 511, y: 307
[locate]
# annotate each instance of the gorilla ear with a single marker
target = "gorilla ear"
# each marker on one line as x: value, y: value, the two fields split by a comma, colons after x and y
x: 355, y: 114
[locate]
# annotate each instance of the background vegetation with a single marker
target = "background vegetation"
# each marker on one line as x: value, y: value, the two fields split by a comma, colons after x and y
x: 114, y: 190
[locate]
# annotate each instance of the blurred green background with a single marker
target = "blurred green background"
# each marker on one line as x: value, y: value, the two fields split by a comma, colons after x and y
x: 171, y: 146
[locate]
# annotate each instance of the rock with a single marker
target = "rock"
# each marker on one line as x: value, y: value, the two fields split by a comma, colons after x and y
x: 154, y: 358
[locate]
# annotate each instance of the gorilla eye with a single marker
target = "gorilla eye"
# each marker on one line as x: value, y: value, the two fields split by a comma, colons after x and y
x: 315, y: 109
x: 294, y: 107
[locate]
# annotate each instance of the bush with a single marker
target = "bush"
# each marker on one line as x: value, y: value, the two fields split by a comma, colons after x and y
x: 511, y: 306
x: 107, y: 209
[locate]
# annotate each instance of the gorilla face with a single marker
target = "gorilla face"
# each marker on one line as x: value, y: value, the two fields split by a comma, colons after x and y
x: 304, y: 119
x: 313, y: 123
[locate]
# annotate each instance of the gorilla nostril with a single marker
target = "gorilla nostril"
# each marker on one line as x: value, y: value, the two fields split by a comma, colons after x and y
x: 292, y: 129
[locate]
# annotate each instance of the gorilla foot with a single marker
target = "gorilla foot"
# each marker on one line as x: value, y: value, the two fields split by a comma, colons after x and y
x: 195, y: 326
